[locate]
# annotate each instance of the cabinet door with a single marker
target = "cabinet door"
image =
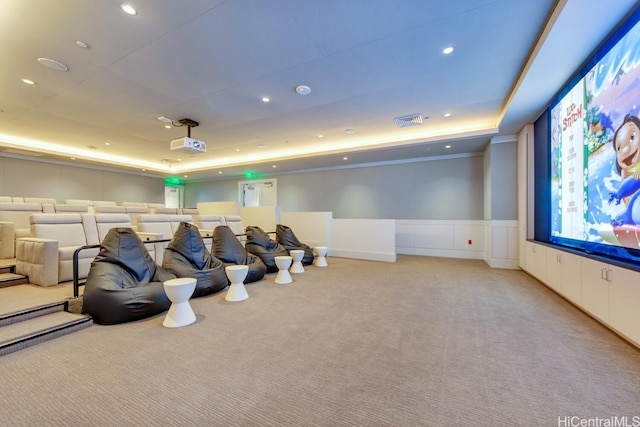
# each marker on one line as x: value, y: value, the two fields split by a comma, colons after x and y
x: 595, y: 289
x: 529, y: 258
x: 564, y: 274
x: 555, y: 274
x: 571, y: 277
x: 537, y: 261
x: 624, y: 302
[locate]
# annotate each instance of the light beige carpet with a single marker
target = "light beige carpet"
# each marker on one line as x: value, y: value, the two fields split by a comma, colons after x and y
x: 421, y: 342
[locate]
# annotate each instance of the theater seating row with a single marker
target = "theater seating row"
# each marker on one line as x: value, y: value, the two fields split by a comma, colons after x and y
x: 46, y: 253
x: 125, y: 284
x: 15, y: 216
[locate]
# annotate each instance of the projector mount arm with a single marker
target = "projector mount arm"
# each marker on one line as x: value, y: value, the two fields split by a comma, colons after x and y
x: 188, y: 123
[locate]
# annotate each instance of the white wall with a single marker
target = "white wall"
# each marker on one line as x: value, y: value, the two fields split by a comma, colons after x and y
x: 311, y: 228
x: 442, y: 238
x: 218, y: 208
x: 372, y: 239
x: 61, y: 181
x: 265, y: 217
x: 440, y: 188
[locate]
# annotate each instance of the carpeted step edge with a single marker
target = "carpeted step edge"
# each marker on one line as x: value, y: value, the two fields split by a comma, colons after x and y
x: 30, y: 313
x: 44, y: 335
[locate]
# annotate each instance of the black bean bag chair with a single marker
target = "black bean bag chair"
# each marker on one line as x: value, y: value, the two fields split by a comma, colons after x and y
x: 260, y: 244
x: 228, y: 249
x: 187, y: 256
x: 124, y: 283
x: 285, y: 236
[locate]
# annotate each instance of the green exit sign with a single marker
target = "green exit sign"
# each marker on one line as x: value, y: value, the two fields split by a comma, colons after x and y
x: 172, y: 181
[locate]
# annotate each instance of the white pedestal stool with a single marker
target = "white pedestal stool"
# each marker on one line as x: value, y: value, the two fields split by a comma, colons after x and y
x: 179, y: 291
x: 321, y: 253
x: 283, y: 263
x: 296, y: 256
x: 236, y: 275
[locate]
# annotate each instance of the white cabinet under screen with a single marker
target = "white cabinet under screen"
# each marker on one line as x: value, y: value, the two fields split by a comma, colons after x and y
x: 564, y: 274
x: 624, y: 302
x: 609, y: 293
x: 537, y: 261
x: 595, y: 288
x: 612, y: 294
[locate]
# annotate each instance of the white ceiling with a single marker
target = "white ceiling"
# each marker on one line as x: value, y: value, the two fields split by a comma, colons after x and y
x: 366, y: 62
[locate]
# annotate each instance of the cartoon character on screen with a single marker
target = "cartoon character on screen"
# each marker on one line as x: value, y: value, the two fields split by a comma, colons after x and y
x: 626, y: 143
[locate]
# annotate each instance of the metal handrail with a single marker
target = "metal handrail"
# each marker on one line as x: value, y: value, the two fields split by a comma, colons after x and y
x: 76, y: 253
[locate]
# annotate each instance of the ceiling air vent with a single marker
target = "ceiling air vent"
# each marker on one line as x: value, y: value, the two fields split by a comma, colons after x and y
x: 410, y: 120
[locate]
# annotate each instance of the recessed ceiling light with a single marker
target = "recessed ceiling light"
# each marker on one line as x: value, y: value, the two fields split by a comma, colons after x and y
x: 237, y: 150
x: 167, y: 126
x: 143, y: 170
x: 349, y: 131
x: 107, y: 143
x: 447, y: 114
x: 72, y: 158
x: 29, y: 82
x: 447, y: 50
x: 53, y: 64
x: 274, y: 166
x: 219, y: 172
x: 265, y: 99
x: 303, y: 90
x: 82, y: 44
x: 128, y: 9
x: 186, y: 176
x: 320, y: 136
x: 345, y: 158
x: 447, y: 146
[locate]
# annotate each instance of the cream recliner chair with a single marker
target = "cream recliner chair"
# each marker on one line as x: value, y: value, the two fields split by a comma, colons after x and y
x: 175, y: 221
x: 206, y: 224
x: 134, y: 212
x: 165, y: 211
x: 47, y: 255
x: 14, y: 223
x: 164, y: 225
x: 64, y: 208
x: 234, y: 222
x: 106, y: 221
x: 161, y: 226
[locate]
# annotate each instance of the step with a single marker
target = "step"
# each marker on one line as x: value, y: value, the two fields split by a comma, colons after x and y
x: 29, y: 327
x: 12, y: 279
x: 31, y: 312
x: 7, y: 265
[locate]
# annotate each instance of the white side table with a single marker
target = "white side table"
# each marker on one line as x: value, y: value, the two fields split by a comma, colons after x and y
x: 236, y: 275
x: 179, y: 291
x: 321, y: 253
x: 296, y: 256
x: 283, y: 263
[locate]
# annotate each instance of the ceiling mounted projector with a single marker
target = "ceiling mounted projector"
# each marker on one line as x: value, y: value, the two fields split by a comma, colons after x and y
x: 188, y: 145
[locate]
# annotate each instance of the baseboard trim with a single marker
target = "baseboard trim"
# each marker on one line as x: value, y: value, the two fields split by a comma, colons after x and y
x: 508, y: 264
x: 371, y: 256
x: 444, y: 253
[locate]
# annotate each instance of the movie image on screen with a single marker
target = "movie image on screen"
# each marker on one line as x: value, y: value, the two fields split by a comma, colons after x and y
x: 595, y: 152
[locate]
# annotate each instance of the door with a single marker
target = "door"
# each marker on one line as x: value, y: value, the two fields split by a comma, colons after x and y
x: 173, y: 197
x: 250, y: 195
